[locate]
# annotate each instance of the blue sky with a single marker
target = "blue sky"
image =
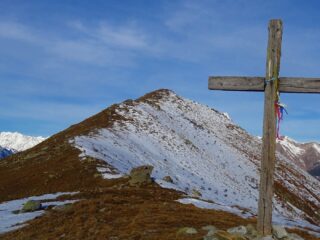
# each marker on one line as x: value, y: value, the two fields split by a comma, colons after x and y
x: 62, y: 61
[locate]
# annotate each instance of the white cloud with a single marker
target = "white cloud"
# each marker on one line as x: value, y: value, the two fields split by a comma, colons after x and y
x: 127, y: 36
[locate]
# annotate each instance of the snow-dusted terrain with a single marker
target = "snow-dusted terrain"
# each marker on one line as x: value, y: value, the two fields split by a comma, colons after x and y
x: 11, y: 142
x: 305, y: 155
x: 202, y: 150
x: 10, y: 221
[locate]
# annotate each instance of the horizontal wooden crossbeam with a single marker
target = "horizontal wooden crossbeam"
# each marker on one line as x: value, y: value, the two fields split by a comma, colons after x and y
x: 287, y: 84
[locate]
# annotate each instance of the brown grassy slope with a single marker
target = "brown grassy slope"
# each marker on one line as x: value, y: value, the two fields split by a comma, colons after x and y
x: 54, y: 165
x: 125, y: 212
x: 119, y: 211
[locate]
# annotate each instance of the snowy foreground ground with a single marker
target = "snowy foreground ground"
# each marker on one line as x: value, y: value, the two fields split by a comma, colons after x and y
x: 10, y: 221
x: 277, y: 220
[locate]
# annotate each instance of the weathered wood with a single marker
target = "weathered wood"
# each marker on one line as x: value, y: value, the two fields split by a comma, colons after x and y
x: 299, y: 85
x: 257, y: 84
x: 271, y: 86
x: 269, y: 129
x: 236, y: 83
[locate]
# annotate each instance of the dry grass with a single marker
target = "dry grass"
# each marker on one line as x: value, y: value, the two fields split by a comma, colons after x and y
x: 121, y: 211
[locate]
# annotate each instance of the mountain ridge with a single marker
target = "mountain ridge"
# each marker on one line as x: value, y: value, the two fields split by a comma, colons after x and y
x: 201, y: 149
x: 151, y: 118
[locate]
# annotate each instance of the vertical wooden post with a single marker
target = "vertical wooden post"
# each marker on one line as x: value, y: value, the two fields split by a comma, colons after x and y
x: 269, y: 129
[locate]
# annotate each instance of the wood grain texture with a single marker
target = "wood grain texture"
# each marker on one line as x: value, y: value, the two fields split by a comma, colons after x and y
x: 231, y: 83
x: 257, y: 84
x: 299, y: 85
x: 264, y: 225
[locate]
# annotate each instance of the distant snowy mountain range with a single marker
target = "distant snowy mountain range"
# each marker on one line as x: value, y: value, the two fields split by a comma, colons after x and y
x: 12, y: 142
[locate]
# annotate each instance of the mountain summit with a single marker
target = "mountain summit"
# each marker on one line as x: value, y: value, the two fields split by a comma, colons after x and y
x: 202, y: 150
x: 193, y: 149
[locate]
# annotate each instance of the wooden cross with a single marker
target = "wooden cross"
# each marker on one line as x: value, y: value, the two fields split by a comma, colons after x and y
x: 270, y: 84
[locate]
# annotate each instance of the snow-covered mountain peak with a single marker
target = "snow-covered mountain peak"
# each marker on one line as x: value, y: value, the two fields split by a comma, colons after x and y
x: 201, y: 149
x: 316, y: 147
x: 305, y: 155
x: 18, y: 141
x: 291, y: 146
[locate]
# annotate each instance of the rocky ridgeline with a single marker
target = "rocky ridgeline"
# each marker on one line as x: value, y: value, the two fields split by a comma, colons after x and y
x: 239, y: 233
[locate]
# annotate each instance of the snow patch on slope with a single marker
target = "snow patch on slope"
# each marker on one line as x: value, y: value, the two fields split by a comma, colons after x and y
x: 11, y: 221
x: 210, y: 205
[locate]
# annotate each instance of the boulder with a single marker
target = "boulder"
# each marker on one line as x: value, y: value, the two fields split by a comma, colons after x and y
x: 251, y: 231
x: 279, y: 232
x: 211, y: 230
x: 31, y: 206
x: 66, y: 208
x: 195, y: 193
x: 240, y: 230
x: 187, y: 230
x: 141, y: 175
x: 167, y: 179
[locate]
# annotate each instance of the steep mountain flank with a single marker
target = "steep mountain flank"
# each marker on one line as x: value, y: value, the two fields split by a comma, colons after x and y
x: 201, y: 150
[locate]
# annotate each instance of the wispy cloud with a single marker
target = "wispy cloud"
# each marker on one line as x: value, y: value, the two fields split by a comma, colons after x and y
x: 189, y: 14
x: 125, y: 36
x: 17, y: 31
x: 101, y: 45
